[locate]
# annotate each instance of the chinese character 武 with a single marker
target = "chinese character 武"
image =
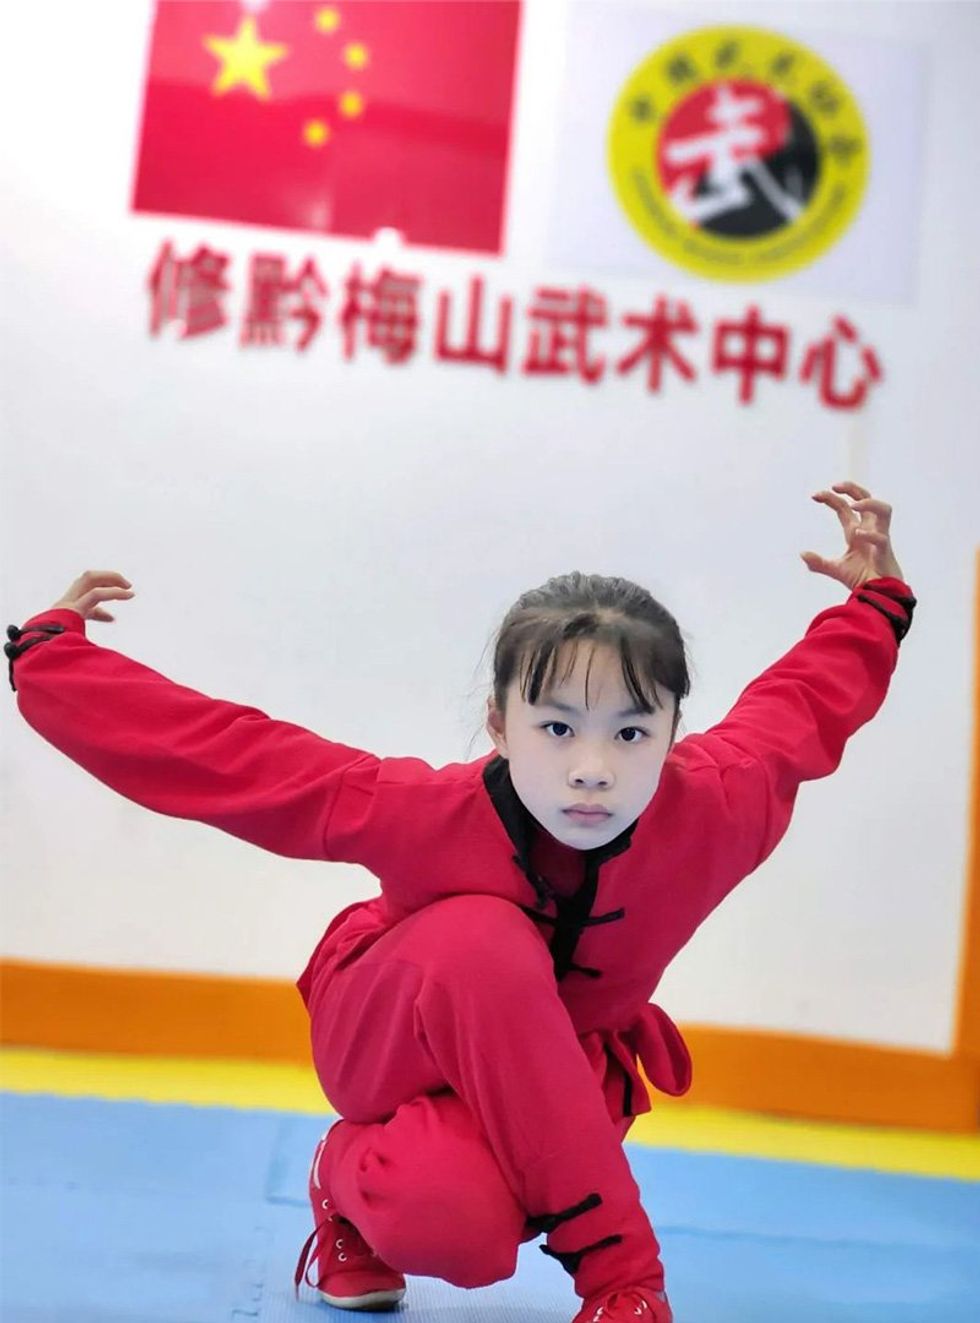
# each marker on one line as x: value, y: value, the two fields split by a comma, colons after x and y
x: 564, y: 320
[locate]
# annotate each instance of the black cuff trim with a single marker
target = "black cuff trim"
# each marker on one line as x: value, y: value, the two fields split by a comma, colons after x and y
x: 40, y: 634
x: 900, y: 624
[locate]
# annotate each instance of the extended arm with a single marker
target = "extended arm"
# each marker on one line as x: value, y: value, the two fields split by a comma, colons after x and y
x: 179, y: 752
x: 791, y: 724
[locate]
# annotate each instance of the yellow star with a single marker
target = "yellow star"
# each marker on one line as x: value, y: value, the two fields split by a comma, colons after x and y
x: 315, y: 132
x: 243, y: 59
x: 327, y: 20
x: 356, y: 55
x: 351, y: 104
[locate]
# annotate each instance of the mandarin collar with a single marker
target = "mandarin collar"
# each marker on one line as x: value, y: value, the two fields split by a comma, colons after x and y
x: 522, y: 827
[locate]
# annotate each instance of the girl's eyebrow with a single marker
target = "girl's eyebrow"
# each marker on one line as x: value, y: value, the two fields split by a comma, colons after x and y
x: 567, y: 707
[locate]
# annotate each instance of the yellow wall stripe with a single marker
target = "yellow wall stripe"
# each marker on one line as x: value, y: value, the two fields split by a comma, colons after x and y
x: 285, y: 1087
x: 195, y: 1015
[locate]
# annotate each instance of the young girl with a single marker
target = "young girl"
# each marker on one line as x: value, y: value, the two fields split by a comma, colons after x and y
x: 478, y: 1024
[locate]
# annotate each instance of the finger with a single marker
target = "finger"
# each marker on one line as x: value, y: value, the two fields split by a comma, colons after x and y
x: 99, y: 614
x: 848, y: 519
x: 96, y: 578
x: 88, y: 602
x: 852, y: 489
x: 880, y: 510
x: 108, y: 594
x: 819, y: 564
x: 868, y: 535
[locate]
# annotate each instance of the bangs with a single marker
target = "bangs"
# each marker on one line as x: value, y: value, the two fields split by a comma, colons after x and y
x: 641, y: 660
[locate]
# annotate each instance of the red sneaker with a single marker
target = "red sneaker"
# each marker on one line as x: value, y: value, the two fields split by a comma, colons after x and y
x: 349, y: 1273
x: 640, y: 1302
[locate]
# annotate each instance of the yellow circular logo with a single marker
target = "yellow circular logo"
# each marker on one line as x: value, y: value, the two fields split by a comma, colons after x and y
x: 737, y: 153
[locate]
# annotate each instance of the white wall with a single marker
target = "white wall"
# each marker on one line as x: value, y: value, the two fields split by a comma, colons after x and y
x: 334, y: 543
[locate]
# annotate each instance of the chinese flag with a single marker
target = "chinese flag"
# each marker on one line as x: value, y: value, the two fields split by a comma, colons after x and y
x: 340, y: 118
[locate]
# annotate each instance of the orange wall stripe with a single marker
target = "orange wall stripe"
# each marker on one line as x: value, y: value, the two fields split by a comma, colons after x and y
x: 968, y: 1009
x: 832, y: 1080
x: 166, y: 1014
x: 100, y: 1010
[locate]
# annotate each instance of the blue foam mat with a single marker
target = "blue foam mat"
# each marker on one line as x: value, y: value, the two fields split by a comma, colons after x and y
x: 123, y: 1212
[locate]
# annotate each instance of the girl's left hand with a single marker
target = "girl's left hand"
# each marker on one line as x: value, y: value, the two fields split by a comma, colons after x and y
x: 869, y: 552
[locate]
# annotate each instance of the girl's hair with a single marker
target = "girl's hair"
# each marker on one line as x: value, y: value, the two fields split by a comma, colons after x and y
x: 612, y: 612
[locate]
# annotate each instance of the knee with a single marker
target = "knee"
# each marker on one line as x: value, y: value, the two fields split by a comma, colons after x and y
x: 469, y: 934
x: 442, y: 1207
x: 464, y: 1241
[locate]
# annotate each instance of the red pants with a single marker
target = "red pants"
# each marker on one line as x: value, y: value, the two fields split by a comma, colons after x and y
x: 471, y: 1112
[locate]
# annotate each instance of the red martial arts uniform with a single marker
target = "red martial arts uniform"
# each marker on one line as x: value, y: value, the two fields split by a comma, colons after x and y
x: 478, y: 1024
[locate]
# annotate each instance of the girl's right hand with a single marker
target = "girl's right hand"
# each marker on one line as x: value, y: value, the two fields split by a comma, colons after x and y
x: 93, y: 587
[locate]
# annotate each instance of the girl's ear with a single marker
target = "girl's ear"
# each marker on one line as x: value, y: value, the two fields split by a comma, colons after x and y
x: 495, y: 728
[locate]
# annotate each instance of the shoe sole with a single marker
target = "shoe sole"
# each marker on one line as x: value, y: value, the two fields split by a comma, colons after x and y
x: 371, y: 1300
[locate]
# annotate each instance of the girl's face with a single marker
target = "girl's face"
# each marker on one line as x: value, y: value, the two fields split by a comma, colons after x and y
x: 609, y: 756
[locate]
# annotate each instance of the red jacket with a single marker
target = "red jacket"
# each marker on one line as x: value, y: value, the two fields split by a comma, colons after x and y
x: 614, y: 916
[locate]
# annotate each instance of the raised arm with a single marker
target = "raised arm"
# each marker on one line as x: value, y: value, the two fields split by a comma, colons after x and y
x: 177, y: 751
x: 791, y: 724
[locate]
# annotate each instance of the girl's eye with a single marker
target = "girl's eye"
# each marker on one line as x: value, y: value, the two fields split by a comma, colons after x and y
x: 636, y: 729
x: 555, y: 723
